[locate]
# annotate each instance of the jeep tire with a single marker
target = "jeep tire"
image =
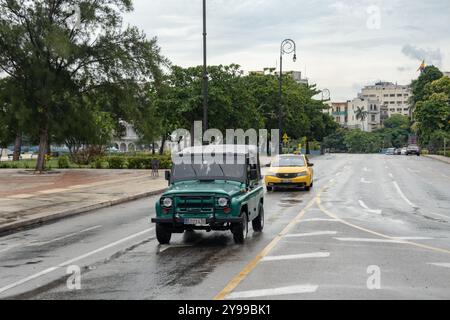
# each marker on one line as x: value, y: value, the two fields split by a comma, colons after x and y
x: 258, y: 223
x: 240, y: 230
x: 163, y: 234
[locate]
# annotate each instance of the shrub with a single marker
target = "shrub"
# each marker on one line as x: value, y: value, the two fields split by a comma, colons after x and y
x: 63, y: 162
x: 135, y: 162
x: 116, y: 162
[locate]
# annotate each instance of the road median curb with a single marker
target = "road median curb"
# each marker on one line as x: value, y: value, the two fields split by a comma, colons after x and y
x: 444, y: 160
x: 14, y: 227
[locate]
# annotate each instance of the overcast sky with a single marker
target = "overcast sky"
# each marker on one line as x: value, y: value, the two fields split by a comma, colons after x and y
x: 342, y: 45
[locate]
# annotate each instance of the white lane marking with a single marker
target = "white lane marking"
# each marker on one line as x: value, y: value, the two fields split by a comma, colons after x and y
x: 319, y: 220
x: 338, y: 174
x: 368, y: 240
x: 69, y: 262
x: 391, y: 175
x: 363, y: 180
x: 311, y: 234
x: 367, y: 170
x: 297, y: 256
x: 365, y: 207
x: 273, y: 292
x: 412, y: 238
x: 413, y: 171
x: 444, y: 265
x: 64, y: 237
x: 400, y: 192
x: 446, y: 176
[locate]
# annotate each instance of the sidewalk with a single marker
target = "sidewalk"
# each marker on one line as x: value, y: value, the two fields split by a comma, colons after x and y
x: 27, y: 199
x: 439, y: 158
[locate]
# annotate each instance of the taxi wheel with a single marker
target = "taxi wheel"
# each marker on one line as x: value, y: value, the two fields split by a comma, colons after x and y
x: 240, y: 231
x: 258, y: 223
x: 162, y: 234
x: 269, y: 189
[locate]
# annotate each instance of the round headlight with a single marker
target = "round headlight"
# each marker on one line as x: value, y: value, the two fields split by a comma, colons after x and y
x: 223, y: 202
x: 167, y: 202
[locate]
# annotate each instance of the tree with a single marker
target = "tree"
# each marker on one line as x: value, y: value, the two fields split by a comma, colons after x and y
x: 336, y: 141
x: 361, y: 115
x: 358, y: 141
x: 433, y: 113
x: 396, y: 131
x: 429, y: 74
x: 231, y: 103
x: 58, y: 50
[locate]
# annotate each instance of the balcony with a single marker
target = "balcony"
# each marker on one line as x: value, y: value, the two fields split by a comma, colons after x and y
x: 340, y: 113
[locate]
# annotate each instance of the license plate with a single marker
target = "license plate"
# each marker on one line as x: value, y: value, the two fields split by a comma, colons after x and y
x: 286, y: 181
x: 195, y: 222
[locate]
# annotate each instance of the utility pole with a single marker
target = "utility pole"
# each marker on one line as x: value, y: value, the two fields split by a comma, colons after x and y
x: 205, y: 72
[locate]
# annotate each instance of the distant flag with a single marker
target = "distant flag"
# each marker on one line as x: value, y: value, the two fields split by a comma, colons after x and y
x: 422, y: 66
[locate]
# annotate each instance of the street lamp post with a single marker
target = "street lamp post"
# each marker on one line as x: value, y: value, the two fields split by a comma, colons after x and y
x: 205, y: 72
x: 288, y: 46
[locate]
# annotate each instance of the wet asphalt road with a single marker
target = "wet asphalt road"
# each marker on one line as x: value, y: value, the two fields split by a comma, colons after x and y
x: 373, y: 227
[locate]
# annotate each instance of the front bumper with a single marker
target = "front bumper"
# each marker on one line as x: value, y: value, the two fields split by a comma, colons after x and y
x: 288, y: 183
x: 217, y: 223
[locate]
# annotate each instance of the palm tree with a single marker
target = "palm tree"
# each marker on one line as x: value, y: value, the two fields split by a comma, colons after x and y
x: 361, y: 115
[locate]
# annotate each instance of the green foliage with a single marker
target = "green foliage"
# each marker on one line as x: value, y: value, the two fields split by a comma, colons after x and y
x: 430, y: 74
x: 63, y: 162
x: 336, y: 141
x: 358, y: 141
x: 431, y: 95
x: 116, y: 162
x: 396, y: 131
x: 138, y: 162
x: 56, y: 65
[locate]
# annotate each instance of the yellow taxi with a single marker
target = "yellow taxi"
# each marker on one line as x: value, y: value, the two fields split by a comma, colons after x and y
x: 290, y: 171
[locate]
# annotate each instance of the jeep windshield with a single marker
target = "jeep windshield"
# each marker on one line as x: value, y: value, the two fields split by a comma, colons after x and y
x: 208, y: 172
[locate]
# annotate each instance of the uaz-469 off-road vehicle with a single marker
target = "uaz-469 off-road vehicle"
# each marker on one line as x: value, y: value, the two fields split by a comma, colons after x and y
x: 215, y: 188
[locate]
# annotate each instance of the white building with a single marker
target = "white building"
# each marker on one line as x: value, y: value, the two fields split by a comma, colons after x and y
x: 373, y: 118
x: 129, y: 142
x: 339, y: 112
x: 394, y: 98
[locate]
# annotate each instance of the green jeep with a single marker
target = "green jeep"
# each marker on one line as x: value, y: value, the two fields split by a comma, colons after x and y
x: 206, y: 194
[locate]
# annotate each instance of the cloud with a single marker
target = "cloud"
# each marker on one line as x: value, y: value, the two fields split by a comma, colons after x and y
x: 431, y: 56
x: 335, y: 45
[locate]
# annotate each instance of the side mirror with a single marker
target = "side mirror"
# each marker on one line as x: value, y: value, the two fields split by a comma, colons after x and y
x: 268, y: 165
x: 311, y: 165
x: 168, y: 176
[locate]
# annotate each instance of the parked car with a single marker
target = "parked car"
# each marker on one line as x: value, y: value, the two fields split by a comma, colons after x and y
x: 290, y: 171
x: 390, y: 152
x: 404, y: 151
x: 398, y: 152
x: 207, y: 195
x: 413, y: 149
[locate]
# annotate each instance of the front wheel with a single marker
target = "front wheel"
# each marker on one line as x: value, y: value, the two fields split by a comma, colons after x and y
x: 163, y: 234
x: 240, y: 230
x: 258, y: 223
x: 269, y: 189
